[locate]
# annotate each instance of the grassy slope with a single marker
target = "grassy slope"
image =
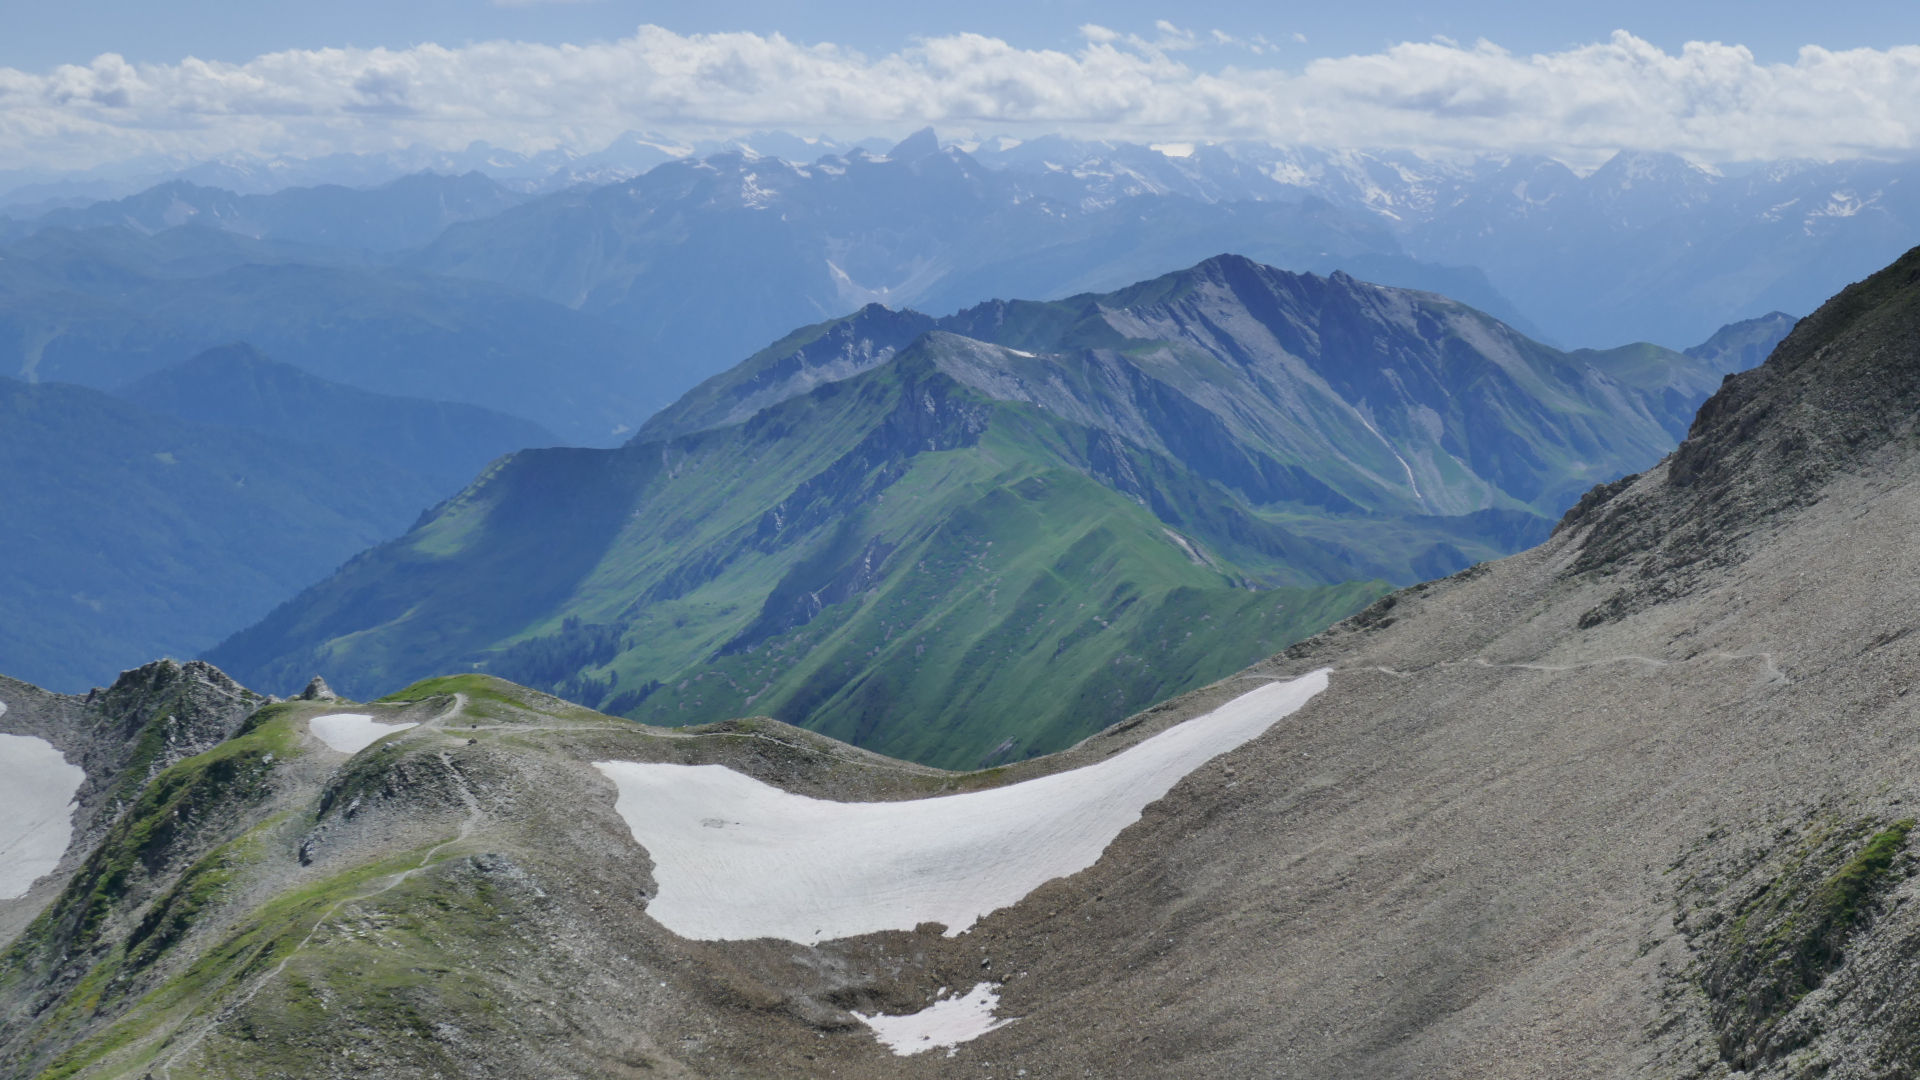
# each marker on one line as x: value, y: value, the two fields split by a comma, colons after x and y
x: 196, y: 941
x: 669, y: 552
x: 1025, y: 606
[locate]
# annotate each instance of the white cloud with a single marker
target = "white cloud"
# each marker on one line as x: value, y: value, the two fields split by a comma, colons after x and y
x: 1711, y: 102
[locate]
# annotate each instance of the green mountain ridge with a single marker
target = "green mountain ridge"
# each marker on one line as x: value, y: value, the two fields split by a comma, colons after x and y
x: 953, y: 550
x: 1288, y: 388
x: 714, y: 568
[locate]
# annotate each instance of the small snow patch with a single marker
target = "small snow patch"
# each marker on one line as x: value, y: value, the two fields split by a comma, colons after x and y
x: 736, y: 859
x: 944, y: 1023
x: 36, y: 810
x: 350, y: 733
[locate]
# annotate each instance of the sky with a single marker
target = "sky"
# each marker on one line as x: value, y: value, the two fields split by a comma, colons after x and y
x: 41, y: 35
x: 86, y: 82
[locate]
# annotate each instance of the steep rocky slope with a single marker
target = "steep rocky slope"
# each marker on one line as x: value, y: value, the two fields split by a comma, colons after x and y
x: 123, y: 737
x: 1636, y: 802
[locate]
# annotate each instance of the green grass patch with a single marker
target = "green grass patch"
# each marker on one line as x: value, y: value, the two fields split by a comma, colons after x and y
x: 251, y: 949
x: 1786, y: 939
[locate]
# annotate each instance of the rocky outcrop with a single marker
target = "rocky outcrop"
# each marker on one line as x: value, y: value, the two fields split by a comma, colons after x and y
x: 317, y: 690
x: 122, y: 736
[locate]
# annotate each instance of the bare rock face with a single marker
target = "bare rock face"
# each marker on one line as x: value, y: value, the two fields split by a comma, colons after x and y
x: 123, y: 736
x: 317, y: 690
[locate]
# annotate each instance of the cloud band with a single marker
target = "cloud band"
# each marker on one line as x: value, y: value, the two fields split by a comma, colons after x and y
x: 1711, y: 102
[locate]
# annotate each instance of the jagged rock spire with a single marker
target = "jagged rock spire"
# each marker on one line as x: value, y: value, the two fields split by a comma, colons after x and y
x: 318, y: 690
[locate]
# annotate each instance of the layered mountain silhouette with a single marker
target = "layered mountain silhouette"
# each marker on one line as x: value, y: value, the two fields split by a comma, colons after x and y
x: 1015, y: 525
x: 103, y: 307
x: 1649, y: 246
x: 1635, y: 802
x: 400, y: 214
x: 137, y: 534
x: 626, y: 294
x: 706, y: 259
x: 154, y: 521
x: 443, y: 442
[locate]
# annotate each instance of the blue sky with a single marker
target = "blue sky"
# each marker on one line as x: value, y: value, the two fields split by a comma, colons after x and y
x: 40, y: 34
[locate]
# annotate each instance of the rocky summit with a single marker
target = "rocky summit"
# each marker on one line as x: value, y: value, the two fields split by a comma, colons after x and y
x: 1636, y: 802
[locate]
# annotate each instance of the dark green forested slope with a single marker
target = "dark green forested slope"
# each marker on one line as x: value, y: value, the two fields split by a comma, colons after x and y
x: 130, y: 534
x: 445, y: 442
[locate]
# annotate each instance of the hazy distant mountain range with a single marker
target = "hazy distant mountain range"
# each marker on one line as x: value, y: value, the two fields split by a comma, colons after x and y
x: 105, y: 306
x: 154, y: 522
x: 575, y: 316
x: 1648, y: 247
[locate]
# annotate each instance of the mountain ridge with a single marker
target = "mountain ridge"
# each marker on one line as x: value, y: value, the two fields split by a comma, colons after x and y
x: 892, y: 460
x: 1276, y: 311
x: 935, y: 513
x: 444, y: 442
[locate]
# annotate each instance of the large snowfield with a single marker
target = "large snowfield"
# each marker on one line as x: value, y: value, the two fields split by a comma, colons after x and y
x: 738, y: 859
x: 350, y: 733
x: 36, y: 810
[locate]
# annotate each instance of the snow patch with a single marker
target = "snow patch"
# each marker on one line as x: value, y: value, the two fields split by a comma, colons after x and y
x: 736, y: 859
x: 350, y: 733
x: 944, y: 1023
x: 36, y: 810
